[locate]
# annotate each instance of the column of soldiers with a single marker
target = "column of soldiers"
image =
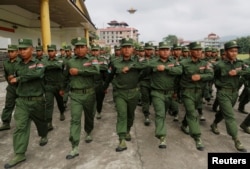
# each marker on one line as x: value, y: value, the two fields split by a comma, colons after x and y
x: 34, y: 81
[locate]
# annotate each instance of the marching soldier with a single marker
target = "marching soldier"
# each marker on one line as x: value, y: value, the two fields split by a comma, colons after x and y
x: 9, y: 66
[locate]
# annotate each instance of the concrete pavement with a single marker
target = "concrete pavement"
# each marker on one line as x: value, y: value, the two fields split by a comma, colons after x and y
x: 142, y: 153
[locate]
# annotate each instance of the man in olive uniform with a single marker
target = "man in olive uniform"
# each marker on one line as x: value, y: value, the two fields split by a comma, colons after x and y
x: 185, y: 52
x: 227, y: 75
x: 68, y: 56
x: 81, y: 70
x: 145, y: 84
x: 30, y: 104
x: 125, y: 74
x: 9, y: 66
x: 99, y: 79
x: 54, y: 84
x: 164, y: 71
x: 195, y: 74
x: 39, y: 53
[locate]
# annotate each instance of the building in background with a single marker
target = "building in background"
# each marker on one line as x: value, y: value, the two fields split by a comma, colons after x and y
x: 115, y: 32
x: 213, y: 40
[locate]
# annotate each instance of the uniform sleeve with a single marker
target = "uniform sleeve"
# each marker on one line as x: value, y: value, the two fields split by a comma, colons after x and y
x: 209, y: 73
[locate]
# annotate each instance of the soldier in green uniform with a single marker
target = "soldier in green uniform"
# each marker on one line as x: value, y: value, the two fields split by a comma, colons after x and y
x: 39, y: 53
x: 30, y: 104
x: 145, y: 84
x: 163, y: 82
x: 99, y: 79
x: 11, y: 96
x: 195, y: 74
x: 69, y: 55
x: 174, y: 106
x: 54, y: 84
x: 125, y: 74
x: 81, y: 70
x: 185, y: 52
x: 227, y: 75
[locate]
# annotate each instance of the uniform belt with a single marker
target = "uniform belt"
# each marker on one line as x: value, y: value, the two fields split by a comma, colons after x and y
x: 228, y: 89
x: 164, y: 91
x: 32, y: 98
x: 128, y: 90
x: 82, y: 91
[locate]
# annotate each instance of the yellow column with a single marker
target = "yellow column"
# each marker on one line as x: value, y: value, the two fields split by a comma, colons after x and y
x: 86, y: 33
x: 45, y: 24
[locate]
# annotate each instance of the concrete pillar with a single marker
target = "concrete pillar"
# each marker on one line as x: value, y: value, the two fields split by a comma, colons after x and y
x: 45, y: 24
x: 86, y: 33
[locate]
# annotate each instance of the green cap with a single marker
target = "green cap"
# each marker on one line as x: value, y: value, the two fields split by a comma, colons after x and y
x: 185, y: 49
x: 141, y: 48
x: 24, y: 43
x: 12, y: 47
x: 231, y: 44
x: 126, y: 42
x: 214, y: 50
x: 195, y: 45
x: 39, y: 47
x: 51, y: 47
x: 95, y: 47
x: 67, y: 47
x: 149, y: 45
x: 164, y: 45
x: 177, y: 46
x: 208, y: 49
x: 79, y: 41
x: 117, y: 47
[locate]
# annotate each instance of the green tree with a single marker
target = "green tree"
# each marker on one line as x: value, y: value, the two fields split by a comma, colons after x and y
x: 244, y: 43
x: 171, y: 39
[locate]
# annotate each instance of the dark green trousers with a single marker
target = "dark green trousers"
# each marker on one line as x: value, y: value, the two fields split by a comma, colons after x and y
x: 192, y: 99
x: 9, y: 104
x: 125, y: 102
x: 26, y: 111
x: 52, y: 91
x: 81, y: 103
x: 227, y: 99
x: 145, y: 99
x: 161, y: 103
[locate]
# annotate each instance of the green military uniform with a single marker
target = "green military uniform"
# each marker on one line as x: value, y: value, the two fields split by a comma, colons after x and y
x: 81, y: 71
x: 9, y: 66
x: 99, y: 79
x: 227, y: 92
x: 30, y: 104
x: 68, y: 56
x: 163, y: 83
x: 54, y: 83
x: 192, y: 89
x: 145, y: 84
x: 125, y: 91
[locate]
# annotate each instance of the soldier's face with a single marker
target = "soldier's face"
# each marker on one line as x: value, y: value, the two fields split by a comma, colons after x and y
x: 12, y: 54
x: 164, y: 53
x: 26, y: 53
x: 127, y: 51
x: 231, y: 53
x: 81, y: 50
x: 196, y: 53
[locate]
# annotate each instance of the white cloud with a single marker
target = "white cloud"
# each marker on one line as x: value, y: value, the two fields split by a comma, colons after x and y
x: 188, y: 19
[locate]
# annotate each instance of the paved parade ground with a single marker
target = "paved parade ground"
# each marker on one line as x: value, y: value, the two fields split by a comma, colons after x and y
x: 142, y: 152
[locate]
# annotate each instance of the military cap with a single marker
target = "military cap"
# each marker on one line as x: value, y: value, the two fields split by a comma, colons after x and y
x: 208, y: 49
x: 164, y: 45
x: 177, y: 46
x: 117, y: 47
x: 67, y: 47
x: 141, y: 48
x: 195, y: 45
x: 231, y: 44
x: 214, y: 50
x: 39, y: 48
x: 24, y: 43
x: 51, y: 47
x: 185, y: 49
x: 126, y: 42
x: 149, y: 45
x: 222, y: 51
x: 12, y: 47
x: 95, y: 47
x: 79, y: 41
x: 156, y: 47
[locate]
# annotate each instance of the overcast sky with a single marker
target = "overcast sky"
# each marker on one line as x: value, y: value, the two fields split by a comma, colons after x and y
x: 187, y: 19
